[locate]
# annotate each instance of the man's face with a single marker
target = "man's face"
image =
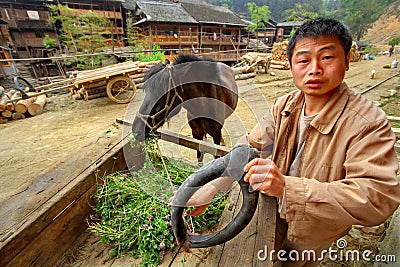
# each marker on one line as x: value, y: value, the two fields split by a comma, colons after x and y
x: 319, y: 65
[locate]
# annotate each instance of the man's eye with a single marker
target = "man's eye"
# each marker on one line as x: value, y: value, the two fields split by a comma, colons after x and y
x: 302, y: 61
x: 327, y: 57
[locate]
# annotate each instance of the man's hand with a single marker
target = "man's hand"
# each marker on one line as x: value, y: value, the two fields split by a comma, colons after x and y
x: 202, y: 198
x: 264, y: 176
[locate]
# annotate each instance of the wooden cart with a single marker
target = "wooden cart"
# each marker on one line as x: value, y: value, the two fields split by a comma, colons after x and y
x: 118, y: 80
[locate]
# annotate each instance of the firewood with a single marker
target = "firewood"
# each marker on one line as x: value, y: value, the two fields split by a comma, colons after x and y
x: 22, y: 105
x: 18, y: 116
x: 6, y: 113
x: 279, y: 67
x: 4, y: 99
x: 80, y: 97
x: 3, y: 120
x: 1, y: 90
x: 36, y: 107
x: 245, y: 76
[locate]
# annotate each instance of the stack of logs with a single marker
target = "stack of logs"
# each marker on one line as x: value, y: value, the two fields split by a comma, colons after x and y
x: 250, y: 63
x: 96, y: 87
x: 279, y: 58
x: 13, y: 109
x: 355, y: 55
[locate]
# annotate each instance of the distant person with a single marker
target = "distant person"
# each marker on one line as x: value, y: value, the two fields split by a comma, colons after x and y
x: 391, y: 50
x: 327, y: 152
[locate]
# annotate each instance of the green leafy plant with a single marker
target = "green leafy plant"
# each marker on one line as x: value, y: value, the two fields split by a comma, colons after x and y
x: 48, y: 42
x: 154, y: 55
x: 394, y: 41
x: 130, y: 220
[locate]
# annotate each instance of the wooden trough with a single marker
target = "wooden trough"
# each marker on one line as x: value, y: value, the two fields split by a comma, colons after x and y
x: 40, y: 222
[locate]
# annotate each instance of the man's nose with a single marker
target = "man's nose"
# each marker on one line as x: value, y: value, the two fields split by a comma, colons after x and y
x: 315, y: 68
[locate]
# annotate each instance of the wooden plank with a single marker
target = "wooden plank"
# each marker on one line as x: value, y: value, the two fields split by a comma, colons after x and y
x: 242, y: 245
x: 49, y: 245
x: 397, y: 148
x: 243, y: 250
x: 394, y: 119
x: 216, y: 252
x: 102, y: 73
x: 30, y: 213
x: 186, y: 141
x: 265, y: 236
x: 396, y: 132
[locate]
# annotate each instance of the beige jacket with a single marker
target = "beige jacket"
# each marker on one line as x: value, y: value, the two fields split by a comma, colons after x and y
x: 348, y: 168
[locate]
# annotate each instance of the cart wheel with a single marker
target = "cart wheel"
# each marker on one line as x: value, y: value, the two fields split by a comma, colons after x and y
x: 121, y: 89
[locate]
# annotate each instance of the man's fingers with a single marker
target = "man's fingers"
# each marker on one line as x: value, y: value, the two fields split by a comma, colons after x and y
x: 198, y: 210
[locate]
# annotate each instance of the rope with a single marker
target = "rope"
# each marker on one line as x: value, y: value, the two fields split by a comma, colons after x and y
x: 167, y: 107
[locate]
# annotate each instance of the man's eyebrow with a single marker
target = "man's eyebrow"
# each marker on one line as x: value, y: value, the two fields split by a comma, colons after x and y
x: 302, y: 52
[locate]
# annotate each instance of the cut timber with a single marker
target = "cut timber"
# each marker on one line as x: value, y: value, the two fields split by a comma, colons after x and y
x: 22, y: 105
x: 12, y: 95
x: 6, y: 113
x: 18, y: 116
x: 244, y: 76
x: 36, y: 107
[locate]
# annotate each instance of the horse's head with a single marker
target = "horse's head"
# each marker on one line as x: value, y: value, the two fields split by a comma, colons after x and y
x: 159, y: 102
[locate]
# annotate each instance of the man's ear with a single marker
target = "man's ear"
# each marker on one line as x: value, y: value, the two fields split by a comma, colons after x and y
x: 347, y: 61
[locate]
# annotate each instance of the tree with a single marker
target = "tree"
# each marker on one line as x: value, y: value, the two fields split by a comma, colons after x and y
x: 299, y: 12
x: 361, y: 14
x: 84, y: 32
x: 257, y: 15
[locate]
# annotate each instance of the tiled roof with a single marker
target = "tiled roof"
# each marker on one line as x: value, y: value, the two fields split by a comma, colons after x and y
x: 184, y: 12
x: 163, y: 11
x: 206, y: 13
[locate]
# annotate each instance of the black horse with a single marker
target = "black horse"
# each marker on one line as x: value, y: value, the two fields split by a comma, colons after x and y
x: 204, y: 87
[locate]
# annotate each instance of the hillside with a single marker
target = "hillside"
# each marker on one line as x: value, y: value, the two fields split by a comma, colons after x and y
x: 386, y: 27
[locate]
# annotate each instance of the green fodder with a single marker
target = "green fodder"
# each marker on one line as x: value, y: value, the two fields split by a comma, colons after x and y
x: 131, y: 220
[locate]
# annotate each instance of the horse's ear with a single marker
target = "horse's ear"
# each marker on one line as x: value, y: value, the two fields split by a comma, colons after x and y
x: 166, y: 62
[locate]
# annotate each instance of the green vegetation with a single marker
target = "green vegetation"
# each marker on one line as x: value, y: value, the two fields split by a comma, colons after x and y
x: 49, y: 43
x: 130, y: 220
x: 357, y: 14
x: 156, y: 54
x: 395, y: 41
x: 81, y: 34
x: 257, y: 14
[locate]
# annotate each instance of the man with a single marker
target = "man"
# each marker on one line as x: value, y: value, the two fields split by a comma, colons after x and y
x: 333, y: 163
x: 391, y: 50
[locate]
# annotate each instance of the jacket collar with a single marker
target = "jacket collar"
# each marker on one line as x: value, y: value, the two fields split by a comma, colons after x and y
x: 329, y: 115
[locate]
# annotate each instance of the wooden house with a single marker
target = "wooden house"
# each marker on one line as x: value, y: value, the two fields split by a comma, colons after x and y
x: 211, y: 31
x: 267, y: 34
x: 107, y: 9
x: 284, y: 29
x: 28, y: 24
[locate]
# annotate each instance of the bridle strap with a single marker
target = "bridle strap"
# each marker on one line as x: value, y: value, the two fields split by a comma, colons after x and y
x: 166, y: 109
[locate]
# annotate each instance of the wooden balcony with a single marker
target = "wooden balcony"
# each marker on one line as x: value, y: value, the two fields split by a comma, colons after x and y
x: 211, y: 39
x: 172, y: 40
x: 102, y: 13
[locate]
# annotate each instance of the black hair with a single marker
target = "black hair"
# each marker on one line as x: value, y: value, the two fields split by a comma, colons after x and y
x: 320, y: 27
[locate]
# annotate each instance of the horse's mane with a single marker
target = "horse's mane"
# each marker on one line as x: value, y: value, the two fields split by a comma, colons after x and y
x: 183, y: 58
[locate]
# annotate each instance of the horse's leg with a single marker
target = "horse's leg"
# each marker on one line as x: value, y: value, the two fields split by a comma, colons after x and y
x: 199, y: 134
x: 216, y: 132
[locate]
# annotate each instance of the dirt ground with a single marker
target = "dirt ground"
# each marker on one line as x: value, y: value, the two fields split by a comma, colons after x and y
x: 33, y: 145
